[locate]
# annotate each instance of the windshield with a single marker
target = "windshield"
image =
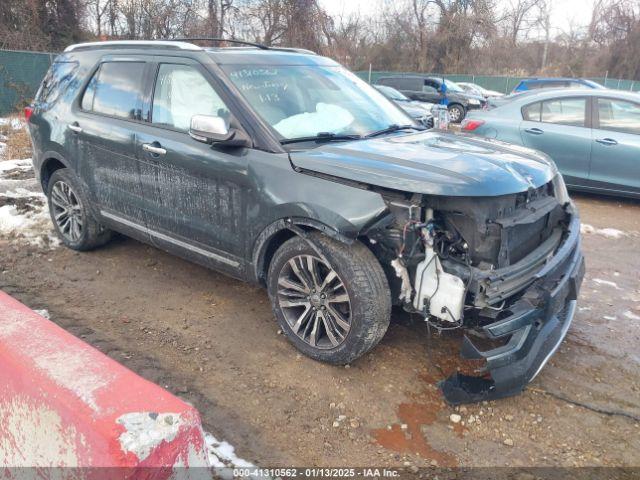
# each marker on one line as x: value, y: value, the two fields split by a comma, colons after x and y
x: 593, y: 84
x: 392, y: 93
x: 306, y: 101
x: 452, y: 86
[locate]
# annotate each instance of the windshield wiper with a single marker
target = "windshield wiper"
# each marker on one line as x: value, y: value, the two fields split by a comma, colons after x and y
x: 391, y: 129
x: 321, y: 137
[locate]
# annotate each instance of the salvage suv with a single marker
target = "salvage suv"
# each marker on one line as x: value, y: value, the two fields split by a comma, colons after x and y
x: 280, y: 167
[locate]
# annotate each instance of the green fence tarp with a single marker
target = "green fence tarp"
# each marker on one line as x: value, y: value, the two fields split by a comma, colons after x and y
x: 21, y: 72
x: 20, y: 75
x: 502, y: 84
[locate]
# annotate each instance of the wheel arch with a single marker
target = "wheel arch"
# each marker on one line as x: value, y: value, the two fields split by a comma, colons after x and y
x: 50, y: 163
x: 278, y: 232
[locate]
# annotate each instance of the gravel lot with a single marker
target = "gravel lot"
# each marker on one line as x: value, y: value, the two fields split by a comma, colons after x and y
x: 214, y: 342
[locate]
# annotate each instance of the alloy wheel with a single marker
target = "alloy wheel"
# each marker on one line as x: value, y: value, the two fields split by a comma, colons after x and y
x: 314, y: 301
x: 455, y: 114
x: 67, y: 211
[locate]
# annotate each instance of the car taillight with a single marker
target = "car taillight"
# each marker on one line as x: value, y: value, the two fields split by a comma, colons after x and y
x: 27, y: 112
x: 469, y: 125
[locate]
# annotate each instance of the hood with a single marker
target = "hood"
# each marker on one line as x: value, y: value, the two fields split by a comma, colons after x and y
x: 426, y: 105
x: 467, y: 95
x: 433, y: 163
x: 414, y: 110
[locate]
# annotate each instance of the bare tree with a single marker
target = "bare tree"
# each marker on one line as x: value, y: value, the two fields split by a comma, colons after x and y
x: 520, y: 17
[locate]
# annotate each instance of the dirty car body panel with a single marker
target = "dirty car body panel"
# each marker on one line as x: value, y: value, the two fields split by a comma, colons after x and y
x: 490, y: 223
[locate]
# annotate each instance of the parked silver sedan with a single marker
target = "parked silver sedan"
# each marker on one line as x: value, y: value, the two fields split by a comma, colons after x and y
x: 592, y: 135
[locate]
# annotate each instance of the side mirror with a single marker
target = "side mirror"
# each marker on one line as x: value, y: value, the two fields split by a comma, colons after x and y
x: 215, y: 130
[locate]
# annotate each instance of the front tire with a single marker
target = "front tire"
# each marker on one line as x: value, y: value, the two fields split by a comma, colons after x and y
x: 71, y: 213
x: 456, y: 113
x: 335, y: 305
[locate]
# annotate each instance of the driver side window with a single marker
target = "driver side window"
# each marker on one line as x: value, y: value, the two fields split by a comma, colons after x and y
x: 181, y: 91
x: 430, y: 87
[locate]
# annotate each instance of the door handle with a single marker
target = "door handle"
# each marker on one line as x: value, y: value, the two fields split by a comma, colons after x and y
x: 534, y: 131
x: 154, y: 149
x: 74, y: 127
x: 606, y: 141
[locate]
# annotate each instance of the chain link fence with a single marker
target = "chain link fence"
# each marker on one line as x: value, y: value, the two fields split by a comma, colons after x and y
x: 21, y: 72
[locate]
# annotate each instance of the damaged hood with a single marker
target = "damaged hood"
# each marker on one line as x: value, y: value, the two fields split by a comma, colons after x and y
x: 432, y: 163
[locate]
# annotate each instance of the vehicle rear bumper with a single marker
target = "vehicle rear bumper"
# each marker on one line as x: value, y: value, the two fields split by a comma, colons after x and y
x: 538, y: 323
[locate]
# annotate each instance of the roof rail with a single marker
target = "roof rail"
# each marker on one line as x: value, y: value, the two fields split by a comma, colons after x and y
x: 134, y: 43
x: 295, y: 50
x: 215, y: 39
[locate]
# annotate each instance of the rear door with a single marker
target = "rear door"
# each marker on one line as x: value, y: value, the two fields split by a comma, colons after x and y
x: 108, y: 112
x: 560, y: 128
x: 195, y: 193
x: 615, y: 157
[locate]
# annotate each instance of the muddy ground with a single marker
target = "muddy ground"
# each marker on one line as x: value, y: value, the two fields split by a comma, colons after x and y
x: 214, y: 342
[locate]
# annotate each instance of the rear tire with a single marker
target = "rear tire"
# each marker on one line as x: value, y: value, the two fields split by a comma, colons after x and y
x: 456, y: 113
x: 332, y: 311
x: 72, y: 213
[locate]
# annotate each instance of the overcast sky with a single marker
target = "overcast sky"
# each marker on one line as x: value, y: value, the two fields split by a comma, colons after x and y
x: 564, y: 13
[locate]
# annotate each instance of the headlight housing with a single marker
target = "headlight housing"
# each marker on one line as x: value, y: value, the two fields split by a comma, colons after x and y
x: 560, y: 189
x: 473, y: 101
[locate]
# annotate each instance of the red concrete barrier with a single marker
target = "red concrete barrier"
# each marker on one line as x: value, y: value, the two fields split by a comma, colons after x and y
x: 65, y: 404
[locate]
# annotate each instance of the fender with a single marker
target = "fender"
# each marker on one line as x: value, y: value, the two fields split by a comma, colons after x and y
x: 296, y: 225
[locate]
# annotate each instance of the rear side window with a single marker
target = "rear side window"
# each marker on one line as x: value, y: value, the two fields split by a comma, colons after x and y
x: 531, y: 112
x: 564, y: 111
x: 115, y: 90
x: 561, y: 111
x: 58, y: 81
x: 619, y: 115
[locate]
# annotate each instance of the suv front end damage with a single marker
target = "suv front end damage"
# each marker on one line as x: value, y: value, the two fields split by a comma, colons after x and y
x: 505, y: 269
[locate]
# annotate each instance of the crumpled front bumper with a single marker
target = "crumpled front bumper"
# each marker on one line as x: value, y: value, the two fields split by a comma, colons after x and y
x: 537, y: 324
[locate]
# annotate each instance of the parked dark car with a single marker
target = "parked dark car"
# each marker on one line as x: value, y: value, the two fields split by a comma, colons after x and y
x: 592, y: 135
x: 434, y: 90
x: 539, y: 83
x: 280, y: 167
x: 419, y: 111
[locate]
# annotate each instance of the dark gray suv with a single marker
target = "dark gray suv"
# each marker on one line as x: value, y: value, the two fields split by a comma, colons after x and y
x: 280, y: 167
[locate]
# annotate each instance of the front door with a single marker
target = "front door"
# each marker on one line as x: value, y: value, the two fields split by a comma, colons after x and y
x: 195, y: 193
x: 558, y: 127
x: 615, y: 154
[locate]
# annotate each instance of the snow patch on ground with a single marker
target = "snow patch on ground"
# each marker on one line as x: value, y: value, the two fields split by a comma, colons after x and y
x: 631, y: 316
x: 608, y: 283
x: 24, y: 213
x: 7, y: 165
x: 609, y: 317
x: 15, y: 123
x: 33, y: 226
x: 585, y: 229
x: 222, y: 454
x: 43, y: 313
